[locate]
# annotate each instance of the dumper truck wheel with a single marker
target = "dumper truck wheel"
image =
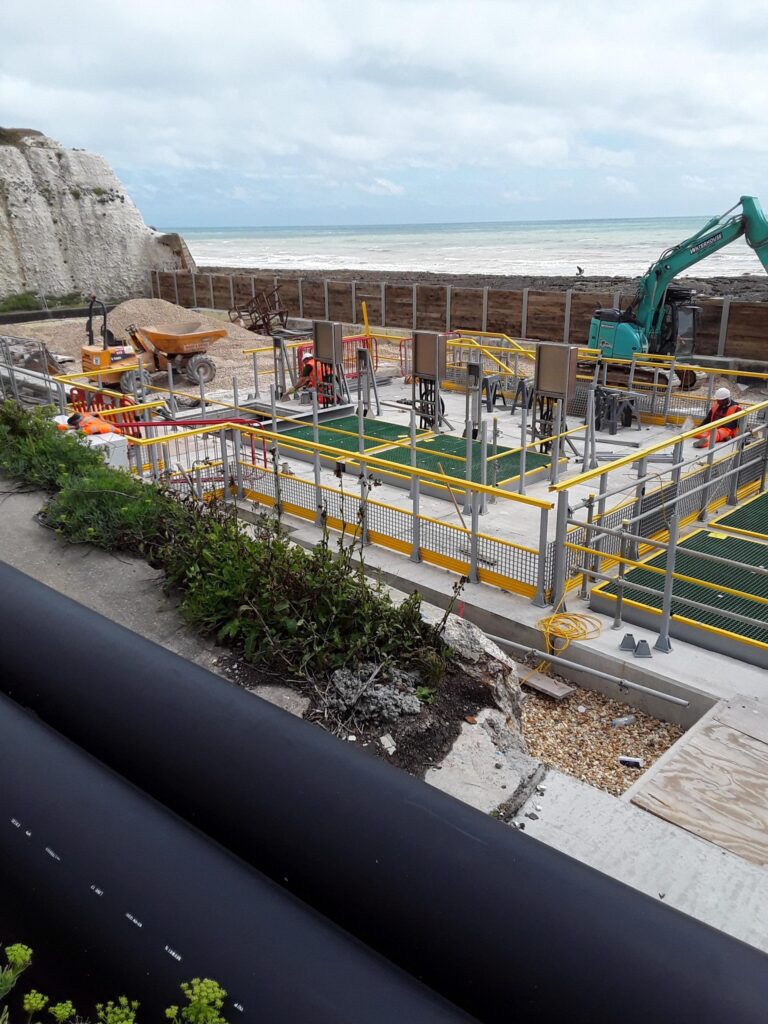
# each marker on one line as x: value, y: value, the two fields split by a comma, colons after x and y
x: 200, y: 368
x: 131, y: 379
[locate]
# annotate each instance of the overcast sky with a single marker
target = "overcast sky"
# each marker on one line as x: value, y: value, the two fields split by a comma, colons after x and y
x: 243, y: 112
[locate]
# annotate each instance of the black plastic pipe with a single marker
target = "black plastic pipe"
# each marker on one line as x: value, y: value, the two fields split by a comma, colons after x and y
x: 136, y: 901
x: 501, y: 924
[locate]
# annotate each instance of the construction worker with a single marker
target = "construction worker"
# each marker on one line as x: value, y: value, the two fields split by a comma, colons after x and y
x: 311, y: 377
x: 722, y: 406
x: 87, y: 423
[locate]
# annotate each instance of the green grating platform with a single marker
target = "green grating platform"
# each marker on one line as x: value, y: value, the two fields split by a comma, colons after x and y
x: 710, y: 628
x: 750, y: 518
x: 434, y: 450
x: 376, y: 433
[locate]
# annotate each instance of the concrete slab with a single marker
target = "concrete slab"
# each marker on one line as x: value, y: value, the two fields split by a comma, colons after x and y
x: 546, y: 684
x: 126, y: 589
x: 652, y: 856
x: 479, y: 772
x: 283, y: 697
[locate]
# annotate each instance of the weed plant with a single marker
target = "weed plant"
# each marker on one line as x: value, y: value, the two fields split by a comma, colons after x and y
x: 301, y: 612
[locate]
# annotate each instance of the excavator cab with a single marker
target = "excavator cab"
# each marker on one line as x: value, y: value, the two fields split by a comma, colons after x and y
x: 678, y: 319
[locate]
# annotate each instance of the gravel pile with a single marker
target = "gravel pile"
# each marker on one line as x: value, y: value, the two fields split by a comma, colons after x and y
x: 67, y: 337
x: 584, y: 744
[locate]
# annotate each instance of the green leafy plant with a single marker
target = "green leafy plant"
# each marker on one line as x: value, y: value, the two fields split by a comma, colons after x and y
x: 121, y: 1012
x: 426, y: 694
x: 34, y: 1002
x: 62, y: 1012
x: 21, y: 302
x: 308, y: 612
x: 205, y: 1000
x: 18, y: 957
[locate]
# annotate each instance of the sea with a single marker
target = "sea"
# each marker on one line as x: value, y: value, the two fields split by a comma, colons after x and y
x: 604, y: 248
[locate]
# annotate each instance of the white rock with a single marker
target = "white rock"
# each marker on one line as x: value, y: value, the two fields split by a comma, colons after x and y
x: 66, y: 224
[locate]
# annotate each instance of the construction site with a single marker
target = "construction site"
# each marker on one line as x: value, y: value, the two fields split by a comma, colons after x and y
x: 597, y: 507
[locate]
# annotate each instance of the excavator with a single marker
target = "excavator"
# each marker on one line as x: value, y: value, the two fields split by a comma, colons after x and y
x: 660, y: 319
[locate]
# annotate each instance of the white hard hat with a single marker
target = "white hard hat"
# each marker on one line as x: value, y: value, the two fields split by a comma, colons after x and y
x: 306, y: 356
x: 722, y: 393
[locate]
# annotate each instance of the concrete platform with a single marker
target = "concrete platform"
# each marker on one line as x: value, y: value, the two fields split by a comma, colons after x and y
x: 651, y: 855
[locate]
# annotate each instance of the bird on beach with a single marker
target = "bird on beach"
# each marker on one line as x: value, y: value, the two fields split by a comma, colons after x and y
x: 579, y: 271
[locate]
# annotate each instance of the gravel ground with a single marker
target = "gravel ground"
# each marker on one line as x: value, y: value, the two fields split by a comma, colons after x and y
x: 585, y: 744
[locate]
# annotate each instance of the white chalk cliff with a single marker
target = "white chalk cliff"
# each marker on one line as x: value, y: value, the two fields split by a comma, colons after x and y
x: 66, y: 224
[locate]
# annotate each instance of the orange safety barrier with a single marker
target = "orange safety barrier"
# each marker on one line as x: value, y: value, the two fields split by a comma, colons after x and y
x: 97, y: 401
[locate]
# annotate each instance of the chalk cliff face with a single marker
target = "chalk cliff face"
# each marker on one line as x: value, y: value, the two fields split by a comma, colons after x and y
x: 67, y: 225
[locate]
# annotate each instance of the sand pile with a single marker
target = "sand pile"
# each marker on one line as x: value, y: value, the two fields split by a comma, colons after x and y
x: 66, y: 337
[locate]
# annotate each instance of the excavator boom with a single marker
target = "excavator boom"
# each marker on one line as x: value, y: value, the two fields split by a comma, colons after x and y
x: 646, y: 321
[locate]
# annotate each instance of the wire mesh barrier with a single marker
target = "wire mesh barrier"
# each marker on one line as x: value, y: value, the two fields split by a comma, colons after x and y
x: 207, y: 462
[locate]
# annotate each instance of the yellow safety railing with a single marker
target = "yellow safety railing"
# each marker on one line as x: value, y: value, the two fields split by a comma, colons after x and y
x: 653, y: 449
x: 342, y: 455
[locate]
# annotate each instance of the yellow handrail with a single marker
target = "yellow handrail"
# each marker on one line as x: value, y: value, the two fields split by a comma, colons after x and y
x: 652, y: 449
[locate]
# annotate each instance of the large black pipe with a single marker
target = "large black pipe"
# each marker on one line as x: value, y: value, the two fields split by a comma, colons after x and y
x: 501, y: 924
x: 134, y: 901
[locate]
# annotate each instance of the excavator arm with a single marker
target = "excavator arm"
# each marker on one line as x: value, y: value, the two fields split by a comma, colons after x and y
x: 647, y: 306
x: 638, y: 328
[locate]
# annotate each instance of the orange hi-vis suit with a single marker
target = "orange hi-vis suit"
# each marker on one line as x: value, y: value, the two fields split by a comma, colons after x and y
x: 717, y: 411
x: 90, y: 424
x: 312, y: 378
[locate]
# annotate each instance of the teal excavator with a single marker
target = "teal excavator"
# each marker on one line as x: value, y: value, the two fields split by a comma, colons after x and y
x: 661, y: 319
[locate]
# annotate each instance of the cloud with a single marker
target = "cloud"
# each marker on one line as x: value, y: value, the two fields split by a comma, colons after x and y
x: 382, y: 187
x: 623, y: 186
x: 696, y: 183
x: 389, y: 100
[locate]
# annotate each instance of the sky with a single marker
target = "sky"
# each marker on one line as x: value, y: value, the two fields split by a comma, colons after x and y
x: 311, y: 112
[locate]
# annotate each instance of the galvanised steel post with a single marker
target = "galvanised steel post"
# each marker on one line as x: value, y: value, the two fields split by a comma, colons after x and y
x: 663, y: 643
x: 523, y: 447
x: 733, y: 480
x: 540, y: 597
x: 363, y: 474
x: 583, y: 592
x: 703, y: 508
x: 620, y: 578
x: 153, y: 455
x: 415, y: 522
x: 473, y: 576
x: 483, y: 465
x: 494, y: 452
x: 224, y: 464
x: 642, y: 466
x: 668, y: 393
x: 560, y: 554
x: 413, y: 448
x: 554, y: 451
x: 171, y: 396
x: 237, y: 442
x: 602, y: 498
x: 316, y: 461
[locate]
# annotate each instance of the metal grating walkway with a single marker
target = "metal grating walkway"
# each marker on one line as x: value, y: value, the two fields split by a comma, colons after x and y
x: 750, y: 519
x: 377, y: 433
x: 731, y: 576
x: 434, y: 450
